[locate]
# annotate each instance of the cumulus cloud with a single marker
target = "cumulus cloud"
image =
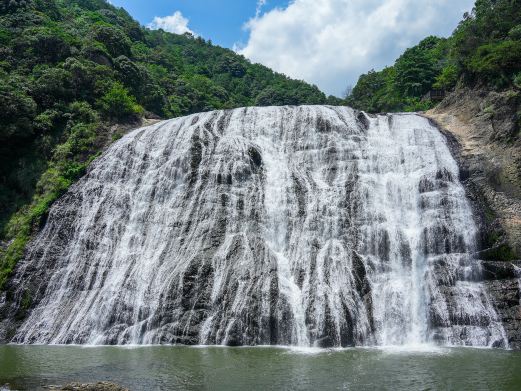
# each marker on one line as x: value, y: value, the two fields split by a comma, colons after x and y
x: 331, y: 42
x: 175, y: 23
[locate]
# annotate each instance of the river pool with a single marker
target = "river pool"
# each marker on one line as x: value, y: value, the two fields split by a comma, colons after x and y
x: 261, y: 368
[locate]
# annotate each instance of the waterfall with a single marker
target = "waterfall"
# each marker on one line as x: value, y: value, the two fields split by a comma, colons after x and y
x: 517, y: 270
x: 312, y: 226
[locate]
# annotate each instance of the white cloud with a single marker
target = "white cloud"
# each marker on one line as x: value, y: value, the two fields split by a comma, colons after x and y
x: 331, y: 42
x: 175, y: 23
x: 260, y: 4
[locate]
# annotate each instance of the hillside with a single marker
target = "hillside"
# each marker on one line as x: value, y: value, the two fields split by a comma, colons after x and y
x: 483, y: 52
x: 75, y: 74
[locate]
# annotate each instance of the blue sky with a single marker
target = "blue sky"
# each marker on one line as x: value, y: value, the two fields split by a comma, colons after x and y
x: 324, y: 42
x: 222, y: 21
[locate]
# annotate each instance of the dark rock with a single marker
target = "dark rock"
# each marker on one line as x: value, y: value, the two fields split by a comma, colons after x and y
x: 498, y: 270
x: 100, y: 386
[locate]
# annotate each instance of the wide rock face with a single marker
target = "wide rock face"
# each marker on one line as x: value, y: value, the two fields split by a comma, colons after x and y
x: 305, y: 225
x: 503, y: 282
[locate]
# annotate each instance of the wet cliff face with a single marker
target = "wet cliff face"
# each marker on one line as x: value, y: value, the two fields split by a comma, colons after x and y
x: 306, y: 225
x: 484, y: 129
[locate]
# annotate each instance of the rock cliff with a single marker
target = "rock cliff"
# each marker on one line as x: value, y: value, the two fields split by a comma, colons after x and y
x: 483, y: 130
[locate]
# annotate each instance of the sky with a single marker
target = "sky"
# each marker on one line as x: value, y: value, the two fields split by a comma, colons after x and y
x: 324, y: 42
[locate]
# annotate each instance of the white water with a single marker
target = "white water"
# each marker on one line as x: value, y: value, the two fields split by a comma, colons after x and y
x: 518, y: 273
x: 308, y: 226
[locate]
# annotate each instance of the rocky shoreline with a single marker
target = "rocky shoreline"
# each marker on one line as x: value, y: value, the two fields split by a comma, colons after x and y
x: 99, y: 386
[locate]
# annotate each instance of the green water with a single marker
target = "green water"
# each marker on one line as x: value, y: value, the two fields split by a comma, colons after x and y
x: 219, y: 368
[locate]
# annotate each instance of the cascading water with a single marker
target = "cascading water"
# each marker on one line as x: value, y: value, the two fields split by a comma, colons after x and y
x: 517, y: 270
x: 307, y: 225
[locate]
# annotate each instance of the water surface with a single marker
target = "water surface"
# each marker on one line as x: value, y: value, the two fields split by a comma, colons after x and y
x: 219, y: 368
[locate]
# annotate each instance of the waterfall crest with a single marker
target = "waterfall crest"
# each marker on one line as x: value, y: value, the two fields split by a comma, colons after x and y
x: 312, y: 225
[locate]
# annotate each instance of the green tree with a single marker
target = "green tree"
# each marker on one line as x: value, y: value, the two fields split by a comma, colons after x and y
x: 115, y: 40
x: 17, y: 113
x: 118, y: 104
x: 416, y: 71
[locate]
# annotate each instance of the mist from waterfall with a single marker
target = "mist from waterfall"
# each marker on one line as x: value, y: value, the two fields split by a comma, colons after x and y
x: 310, y: 226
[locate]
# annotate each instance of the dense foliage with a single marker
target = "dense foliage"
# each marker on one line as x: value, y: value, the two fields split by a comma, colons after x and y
x: 485, y: 50
x: 71, y: 68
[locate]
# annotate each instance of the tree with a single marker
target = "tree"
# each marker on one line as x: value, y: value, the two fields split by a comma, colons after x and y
x: 115, y: 40
x: 347, y: 91
x: 415, y: 72
x: 18, y: 111
x: 118, y: 104
x: 497, y: 60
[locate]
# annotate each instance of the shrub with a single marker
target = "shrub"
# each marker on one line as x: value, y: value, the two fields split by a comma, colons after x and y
x: 96, y: 52
x: 52, y: 85
x: 118, y: 104
x: 416, y: 104
x: 230, y: 65
x: 12, y: 5
x: 415, y: 71
x: 115, y: 40
x: 517, y: 80
x: 515, y: 32
x: 128, y: 72
x: 448, y: 77
x: 48, y: 44
x: 5, y: 36
x: 495, y: 59
x: 18, y: 110
x: 503, y: 252
x: 81, y: 139
x: 45, y: 121
x: 83, y: 112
